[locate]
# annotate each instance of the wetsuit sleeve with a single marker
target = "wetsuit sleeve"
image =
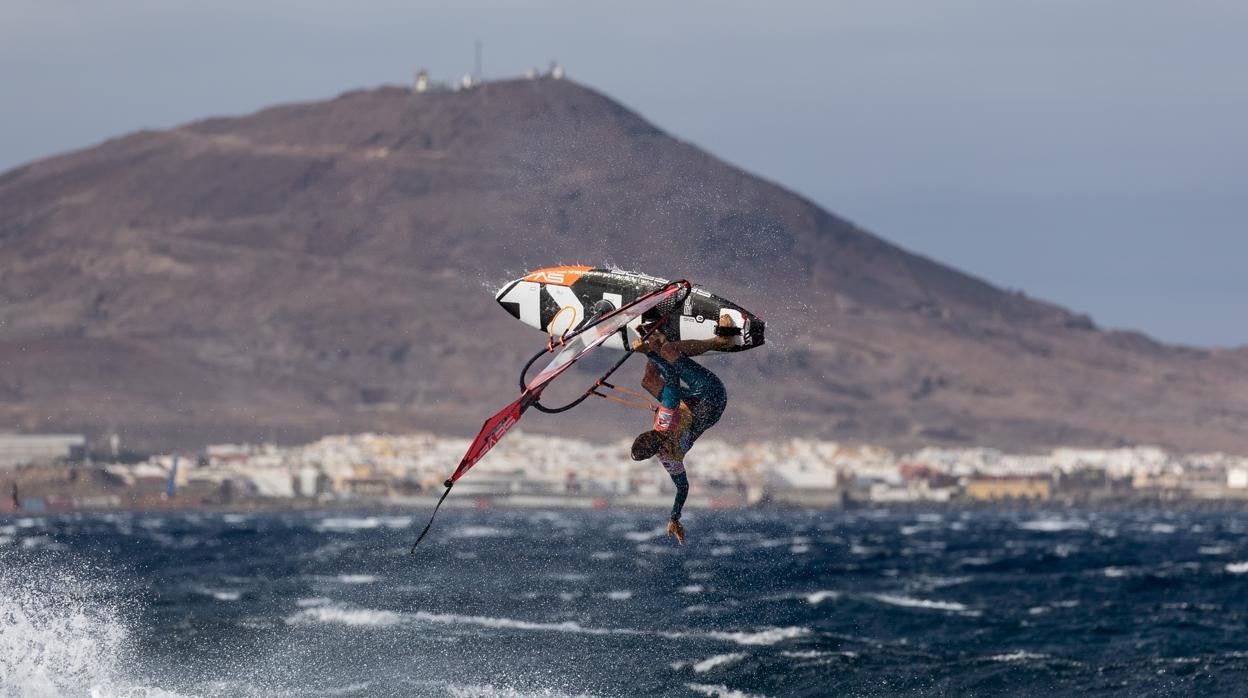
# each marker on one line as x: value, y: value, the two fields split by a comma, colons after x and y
x: 671, y: 395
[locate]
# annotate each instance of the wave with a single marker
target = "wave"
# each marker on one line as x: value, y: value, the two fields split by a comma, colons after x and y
x: 817, y: 654
x: 769, y: 636
x: 341, y: 615
x: 346, y: 524
x: 357, y: 578
x: 719, y: 691
x: 818, y: 597
x: 624, y: 595
x: 911, y: 602
x: 642, y: 536
x: 221, y: 594
x: 513, y: 624
x: 1237, y: 568
x: 1054, y: 525
x: 762, y: 637
x: 1018, y: 656
x: 480, y: 532
x: 489, y: 691
x: 717, y: 661
x: 54, y: 638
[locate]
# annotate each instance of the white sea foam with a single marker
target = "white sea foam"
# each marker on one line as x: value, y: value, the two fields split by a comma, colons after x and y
x: 513, y: 624
x: 1054, y: 525
x: 348, y: 524
x: 602, y: 555
x: 358, y: 688
x: 717, y: 661
x: 222, y: 594
x: 692, y: 589
x: 52, y: 641
x: 357, y: 578
x: 640, y: 536
x: 623, y: 595
x: 312, y: 601
x: 1213, y: 550
x: 762, y: 637
x: 911, y: 602
x: 800, y: 549
x: 1114, y: 572
x: 491, y: 691
x: 719, y: 691
x: 975, y: 561
x: 816, y: 654
x: 936, y: 582
x: 1237, y: 568
x: 1162, y: 528
x: 1018, y: 656
x: 818, y: 597
x: 341, y: 615
x: 479, y: 532
x: 720, y: 551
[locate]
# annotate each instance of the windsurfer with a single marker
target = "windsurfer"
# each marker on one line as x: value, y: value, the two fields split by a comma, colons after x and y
x: 692, y: 399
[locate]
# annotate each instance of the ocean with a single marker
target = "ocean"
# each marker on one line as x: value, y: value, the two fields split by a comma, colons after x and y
x: 557, y: 603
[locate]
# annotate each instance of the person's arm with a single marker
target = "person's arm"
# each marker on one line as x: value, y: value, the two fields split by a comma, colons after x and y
x: 682, y: 493
x: 676, y: 469
x: 694, y: 347
x: 652, y: 380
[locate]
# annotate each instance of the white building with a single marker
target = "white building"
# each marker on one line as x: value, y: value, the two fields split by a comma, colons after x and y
x: 23, y: 449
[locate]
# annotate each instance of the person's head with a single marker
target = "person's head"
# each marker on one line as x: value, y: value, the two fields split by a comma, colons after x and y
x: 646, y: 445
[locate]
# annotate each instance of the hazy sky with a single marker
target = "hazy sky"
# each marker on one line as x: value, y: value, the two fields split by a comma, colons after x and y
x: 1089, y: 152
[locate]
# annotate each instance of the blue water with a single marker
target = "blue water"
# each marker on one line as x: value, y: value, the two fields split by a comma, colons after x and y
x: 545, y: 603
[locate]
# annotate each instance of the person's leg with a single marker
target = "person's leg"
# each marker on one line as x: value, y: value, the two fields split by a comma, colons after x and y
x: 706, y: 411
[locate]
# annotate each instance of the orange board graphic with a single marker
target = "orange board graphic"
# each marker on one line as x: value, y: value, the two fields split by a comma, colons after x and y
x: 559, y: 276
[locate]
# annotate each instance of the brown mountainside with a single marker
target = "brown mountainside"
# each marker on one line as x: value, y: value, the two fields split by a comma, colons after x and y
x: 328, y: 267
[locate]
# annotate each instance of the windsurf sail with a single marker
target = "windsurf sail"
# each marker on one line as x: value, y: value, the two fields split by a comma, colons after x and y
x: 571, y: 348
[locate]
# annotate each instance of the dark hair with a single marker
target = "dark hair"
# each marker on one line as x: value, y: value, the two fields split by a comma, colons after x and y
x: 646, y: 444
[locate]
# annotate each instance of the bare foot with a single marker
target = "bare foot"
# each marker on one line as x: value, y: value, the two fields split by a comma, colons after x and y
x: 674, y: 528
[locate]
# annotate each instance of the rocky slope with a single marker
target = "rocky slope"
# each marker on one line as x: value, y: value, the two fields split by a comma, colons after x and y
x: 329, y: 266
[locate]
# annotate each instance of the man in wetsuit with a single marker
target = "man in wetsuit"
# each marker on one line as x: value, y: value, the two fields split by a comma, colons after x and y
x: 692, y: 399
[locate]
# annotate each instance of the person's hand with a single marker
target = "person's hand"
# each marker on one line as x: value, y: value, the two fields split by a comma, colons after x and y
x: 674, y: 528
x: 724, y: 342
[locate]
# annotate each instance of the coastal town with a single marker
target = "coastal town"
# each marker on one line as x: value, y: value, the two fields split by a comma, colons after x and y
x: 44, y: 473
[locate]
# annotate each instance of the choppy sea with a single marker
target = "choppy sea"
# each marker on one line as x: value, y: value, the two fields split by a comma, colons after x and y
x: 554, y: 603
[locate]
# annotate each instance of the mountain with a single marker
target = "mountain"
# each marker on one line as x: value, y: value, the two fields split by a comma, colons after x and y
x: 329, y: 267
